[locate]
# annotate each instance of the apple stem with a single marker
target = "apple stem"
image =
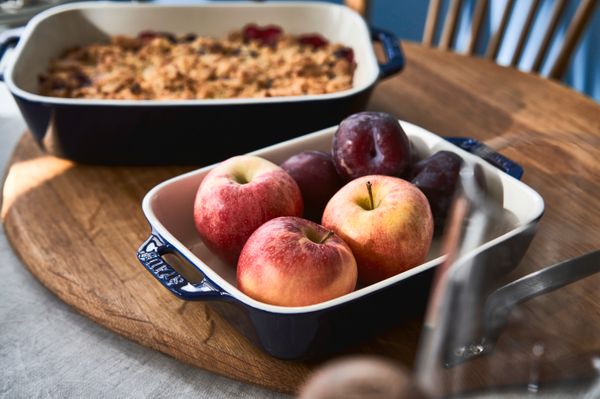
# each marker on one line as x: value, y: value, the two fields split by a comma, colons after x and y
x: 329, y: 234
x: 370, y: 195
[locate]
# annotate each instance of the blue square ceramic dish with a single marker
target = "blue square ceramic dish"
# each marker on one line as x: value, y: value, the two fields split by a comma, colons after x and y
x: 151, y: 132
x: 316, y: 330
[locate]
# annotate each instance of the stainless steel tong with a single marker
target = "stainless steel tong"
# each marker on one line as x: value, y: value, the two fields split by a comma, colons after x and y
x: 499, y: 305
x: 467, y: 312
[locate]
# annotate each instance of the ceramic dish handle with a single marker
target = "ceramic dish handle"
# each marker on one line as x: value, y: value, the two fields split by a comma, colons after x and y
x: 150, y: 256
x: 487, y: 154
x: 8, y: 39
x: 392, y: 50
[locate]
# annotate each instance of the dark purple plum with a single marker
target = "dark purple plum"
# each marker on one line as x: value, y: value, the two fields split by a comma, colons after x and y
x: 412, y: 161
x: 437, y: 176
x: 370, y: 143
x: 317, y: 178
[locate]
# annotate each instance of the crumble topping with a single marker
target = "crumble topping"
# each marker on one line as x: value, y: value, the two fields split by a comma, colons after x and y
x: 251, y: 62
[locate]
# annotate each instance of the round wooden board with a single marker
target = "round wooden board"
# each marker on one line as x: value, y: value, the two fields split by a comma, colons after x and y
x: 77, y: 229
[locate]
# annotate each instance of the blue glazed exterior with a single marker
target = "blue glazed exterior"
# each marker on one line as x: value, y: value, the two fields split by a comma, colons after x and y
x: 186, y: 135
x: 317, y: 334
x: 314, y: 335
x: 483, y: 151
x: 297, y: 336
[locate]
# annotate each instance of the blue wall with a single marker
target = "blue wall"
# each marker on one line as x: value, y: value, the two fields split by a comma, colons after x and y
x: 407, y: 19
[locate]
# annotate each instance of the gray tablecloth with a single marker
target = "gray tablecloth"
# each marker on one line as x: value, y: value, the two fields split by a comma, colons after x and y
x: 48, y: 350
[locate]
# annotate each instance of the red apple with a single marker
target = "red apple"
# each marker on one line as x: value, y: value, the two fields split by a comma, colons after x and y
x: 385, y: 220
x: 370, y: 143
x: 291, y: 261
x: 317, y: 178
x: 236, y: 197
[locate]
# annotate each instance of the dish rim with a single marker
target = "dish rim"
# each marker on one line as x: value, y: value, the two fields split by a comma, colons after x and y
x: 159, y: 229
x: 361, y: 24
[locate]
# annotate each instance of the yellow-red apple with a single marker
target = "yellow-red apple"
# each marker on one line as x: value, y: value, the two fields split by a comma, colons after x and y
x: 291, y: 261
x: 236, y: 197
x: 386, y: 221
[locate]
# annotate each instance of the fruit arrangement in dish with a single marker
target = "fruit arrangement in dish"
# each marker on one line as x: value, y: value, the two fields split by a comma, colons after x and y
x: 319, y: 224
x: 256, y: 61
x: 326, y: 326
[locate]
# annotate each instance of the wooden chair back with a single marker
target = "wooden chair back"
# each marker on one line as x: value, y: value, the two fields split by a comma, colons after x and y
x: 450, y: 23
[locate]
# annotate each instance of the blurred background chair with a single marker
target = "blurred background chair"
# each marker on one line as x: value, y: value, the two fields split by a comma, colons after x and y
x: 539, y: 36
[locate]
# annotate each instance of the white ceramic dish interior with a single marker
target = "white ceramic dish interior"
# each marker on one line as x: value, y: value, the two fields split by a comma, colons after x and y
x: 76, y: 24
x: 168, y: 208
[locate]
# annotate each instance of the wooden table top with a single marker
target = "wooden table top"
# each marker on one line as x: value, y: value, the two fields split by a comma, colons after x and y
x: 554, y: 133
x: 548, y: 128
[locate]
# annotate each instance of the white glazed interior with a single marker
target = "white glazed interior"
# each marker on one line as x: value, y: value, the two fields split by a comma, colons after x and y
x: 75, y: 24
x: 169, y: 206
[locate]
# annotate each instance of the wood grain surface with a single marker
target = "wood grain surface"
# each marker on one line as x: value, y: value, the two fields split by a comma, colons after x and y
x: 77, y: 227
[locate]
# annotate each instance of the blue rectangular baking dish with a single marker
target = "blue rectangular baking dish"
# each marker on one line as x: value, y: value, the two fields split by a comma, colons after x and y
x: 154, y: 132
x: 314, y: 331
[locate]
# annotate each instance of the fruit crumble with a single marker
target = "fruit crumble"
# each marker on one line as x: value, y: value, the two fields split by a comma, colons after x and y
x: 252, y: 62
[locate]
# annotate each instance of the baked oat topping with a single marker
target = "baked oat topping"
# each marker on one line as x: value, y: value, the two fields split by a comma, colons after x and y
x: 252, y: 62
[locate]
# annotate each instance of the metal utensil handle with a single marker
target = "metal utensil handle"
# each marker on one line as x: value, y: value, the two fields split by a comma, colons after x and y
x: 8, y: 39
x: 501, y: 302
x: 392, y: 49
x: 486, y: 153
x: 150, y: 256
